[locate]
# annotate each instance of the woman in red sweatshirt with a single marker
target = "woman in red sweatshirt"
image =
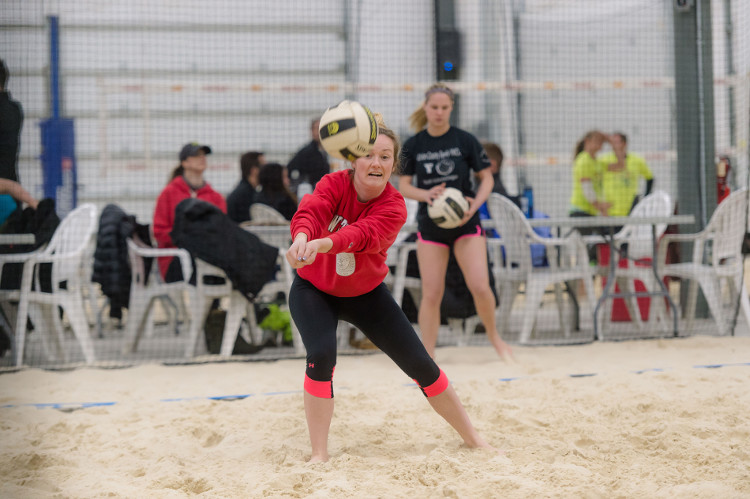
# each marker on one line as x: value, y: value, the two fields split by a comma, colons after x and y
x: 187, y: 182
x: 341, y: 235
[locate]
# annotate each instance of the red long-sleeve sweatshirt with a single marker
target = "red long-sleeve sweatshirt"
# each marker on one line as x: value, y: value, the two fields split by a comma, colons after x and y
x: 173, y: 193
x: 361, y: 234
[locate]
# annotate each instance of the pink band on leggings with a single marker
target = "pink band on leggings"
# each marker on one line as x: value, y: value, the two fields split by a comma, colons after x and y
x: 321, y: 389
x: 437, y: 387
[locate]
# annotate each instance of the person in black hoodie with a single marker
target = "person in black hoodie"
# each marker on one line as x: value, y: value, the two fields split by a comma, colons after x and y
x: 310, y: 163
x: 274, y: 190
x: 240, y: 199
x: 11, y: 122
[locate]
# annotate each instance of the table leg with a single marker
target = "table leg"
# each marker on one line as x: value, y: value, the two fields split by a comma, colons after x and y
x: 660, y: 281
x: 610, y: 282
x: 571, y: 294
x: 574, y: 300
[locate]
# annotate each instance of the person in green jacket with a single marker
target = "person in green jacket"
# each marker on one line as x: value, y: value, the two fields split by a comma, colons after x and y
x: 621, y: 172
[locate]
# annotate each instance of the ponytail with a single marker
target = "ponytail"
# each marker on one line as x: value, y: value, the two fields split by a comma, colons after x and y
x: 579, y: 148
x: 418, y: 119
x: 177, y: 172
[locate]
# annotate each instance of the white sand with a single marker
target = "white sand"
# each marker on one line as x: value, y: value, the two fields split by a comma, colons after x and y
x: 680, y: 432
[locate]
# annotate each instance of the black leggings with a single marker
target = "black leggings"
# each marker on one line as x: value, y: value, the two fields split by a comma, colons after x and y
x: 377, y: 315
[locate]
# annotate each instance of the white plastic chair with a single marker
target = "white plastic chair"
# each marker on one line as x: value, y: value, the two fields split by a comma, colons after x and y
x: 398, y: 257
x: 398, y: 281
x: 147, y: 287
x: 279, y: 237
x: 516, y: 268
x: 202, y: 296
x: 639, y: 241
x: 262, y: 214
x: 65, y: 251
x: 717, y: 257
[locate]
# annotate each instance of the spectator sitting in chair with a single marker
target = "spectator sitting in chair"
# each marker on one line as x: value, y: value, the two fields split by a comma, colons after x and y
x: 187, y: 182
x: 12, y: 193
x: 495, y: 155
x: 274, y: 190
x: 240, y: 199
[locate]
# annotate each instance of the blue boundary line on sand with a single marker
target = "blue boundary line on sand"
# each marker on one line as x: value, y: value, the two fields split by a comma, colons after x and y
x: 61, y: 405
x: 72, y: 406
x: 641, y: 371
x: 716, y: 366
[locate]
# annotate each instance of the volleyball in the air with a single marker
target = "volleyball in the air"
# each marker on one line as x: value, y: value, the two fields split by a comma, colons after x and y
x: 348, y: 130
x: 448, y: 209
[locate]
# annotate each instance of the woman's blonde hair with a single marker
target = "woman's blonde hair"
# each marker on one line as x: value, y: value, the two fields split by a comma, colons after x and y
x: 418, y: 119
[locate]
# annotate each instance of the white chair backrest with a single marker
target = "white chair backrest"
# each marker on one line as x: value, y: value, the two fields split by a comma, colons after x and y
x: 656, y: 204
x: 274, y: 235
x: 279, y: 237
x: 70, y: 240
x: 412, y: 207
x: 727, y: 225
x: 137, y: 263
x: 262, y: 214
x: 514, y: 232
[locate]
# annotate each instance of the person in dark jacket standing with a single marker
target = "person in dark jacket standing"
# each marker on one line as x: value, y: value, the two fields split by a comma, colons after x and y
x: 311, y: 162
x: 11, y: 121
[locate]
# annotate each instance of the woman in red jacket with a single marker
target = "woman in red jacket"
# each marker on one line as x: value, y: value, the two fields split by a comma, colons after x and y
x: 187, y: 182
x: 341, y: 234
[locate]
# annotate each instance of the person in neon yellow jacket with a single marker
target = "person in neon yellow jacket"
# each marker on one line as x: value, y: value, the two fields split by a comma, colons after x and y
x: 587, y: 197
x: 621, y: 172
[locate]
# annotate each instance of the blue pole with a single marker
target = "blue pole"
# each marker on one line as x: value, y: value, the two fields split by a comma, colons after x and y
x: 58, y: 137
x: 54, y: 63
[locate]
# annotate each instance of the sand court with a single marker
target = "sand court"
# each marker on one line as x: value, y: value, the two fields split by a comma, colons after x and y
x: 658, y: 418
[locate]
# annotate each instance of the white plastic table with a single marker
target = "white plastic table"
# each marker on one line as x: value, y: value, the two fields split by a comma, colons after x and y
x: 608, y: 226
x: 8, y: 239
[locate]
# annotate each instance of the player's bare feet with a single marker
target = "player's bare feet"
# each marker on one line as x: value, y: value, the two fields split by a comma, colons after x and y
x: 318, y: 459
x: 481, y: 444
x: 503, y: 349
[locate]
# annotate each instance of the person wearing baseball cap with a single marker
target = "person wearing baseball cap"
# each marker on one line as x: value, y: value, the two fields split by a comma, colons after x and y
x: 187, y: 181
x: 193, y: 149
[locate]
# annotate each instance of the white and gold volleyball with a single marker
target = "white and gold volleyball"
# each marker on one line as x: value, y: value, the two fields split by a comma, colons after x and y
x: 448, y: 209
x: 348, y: 130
